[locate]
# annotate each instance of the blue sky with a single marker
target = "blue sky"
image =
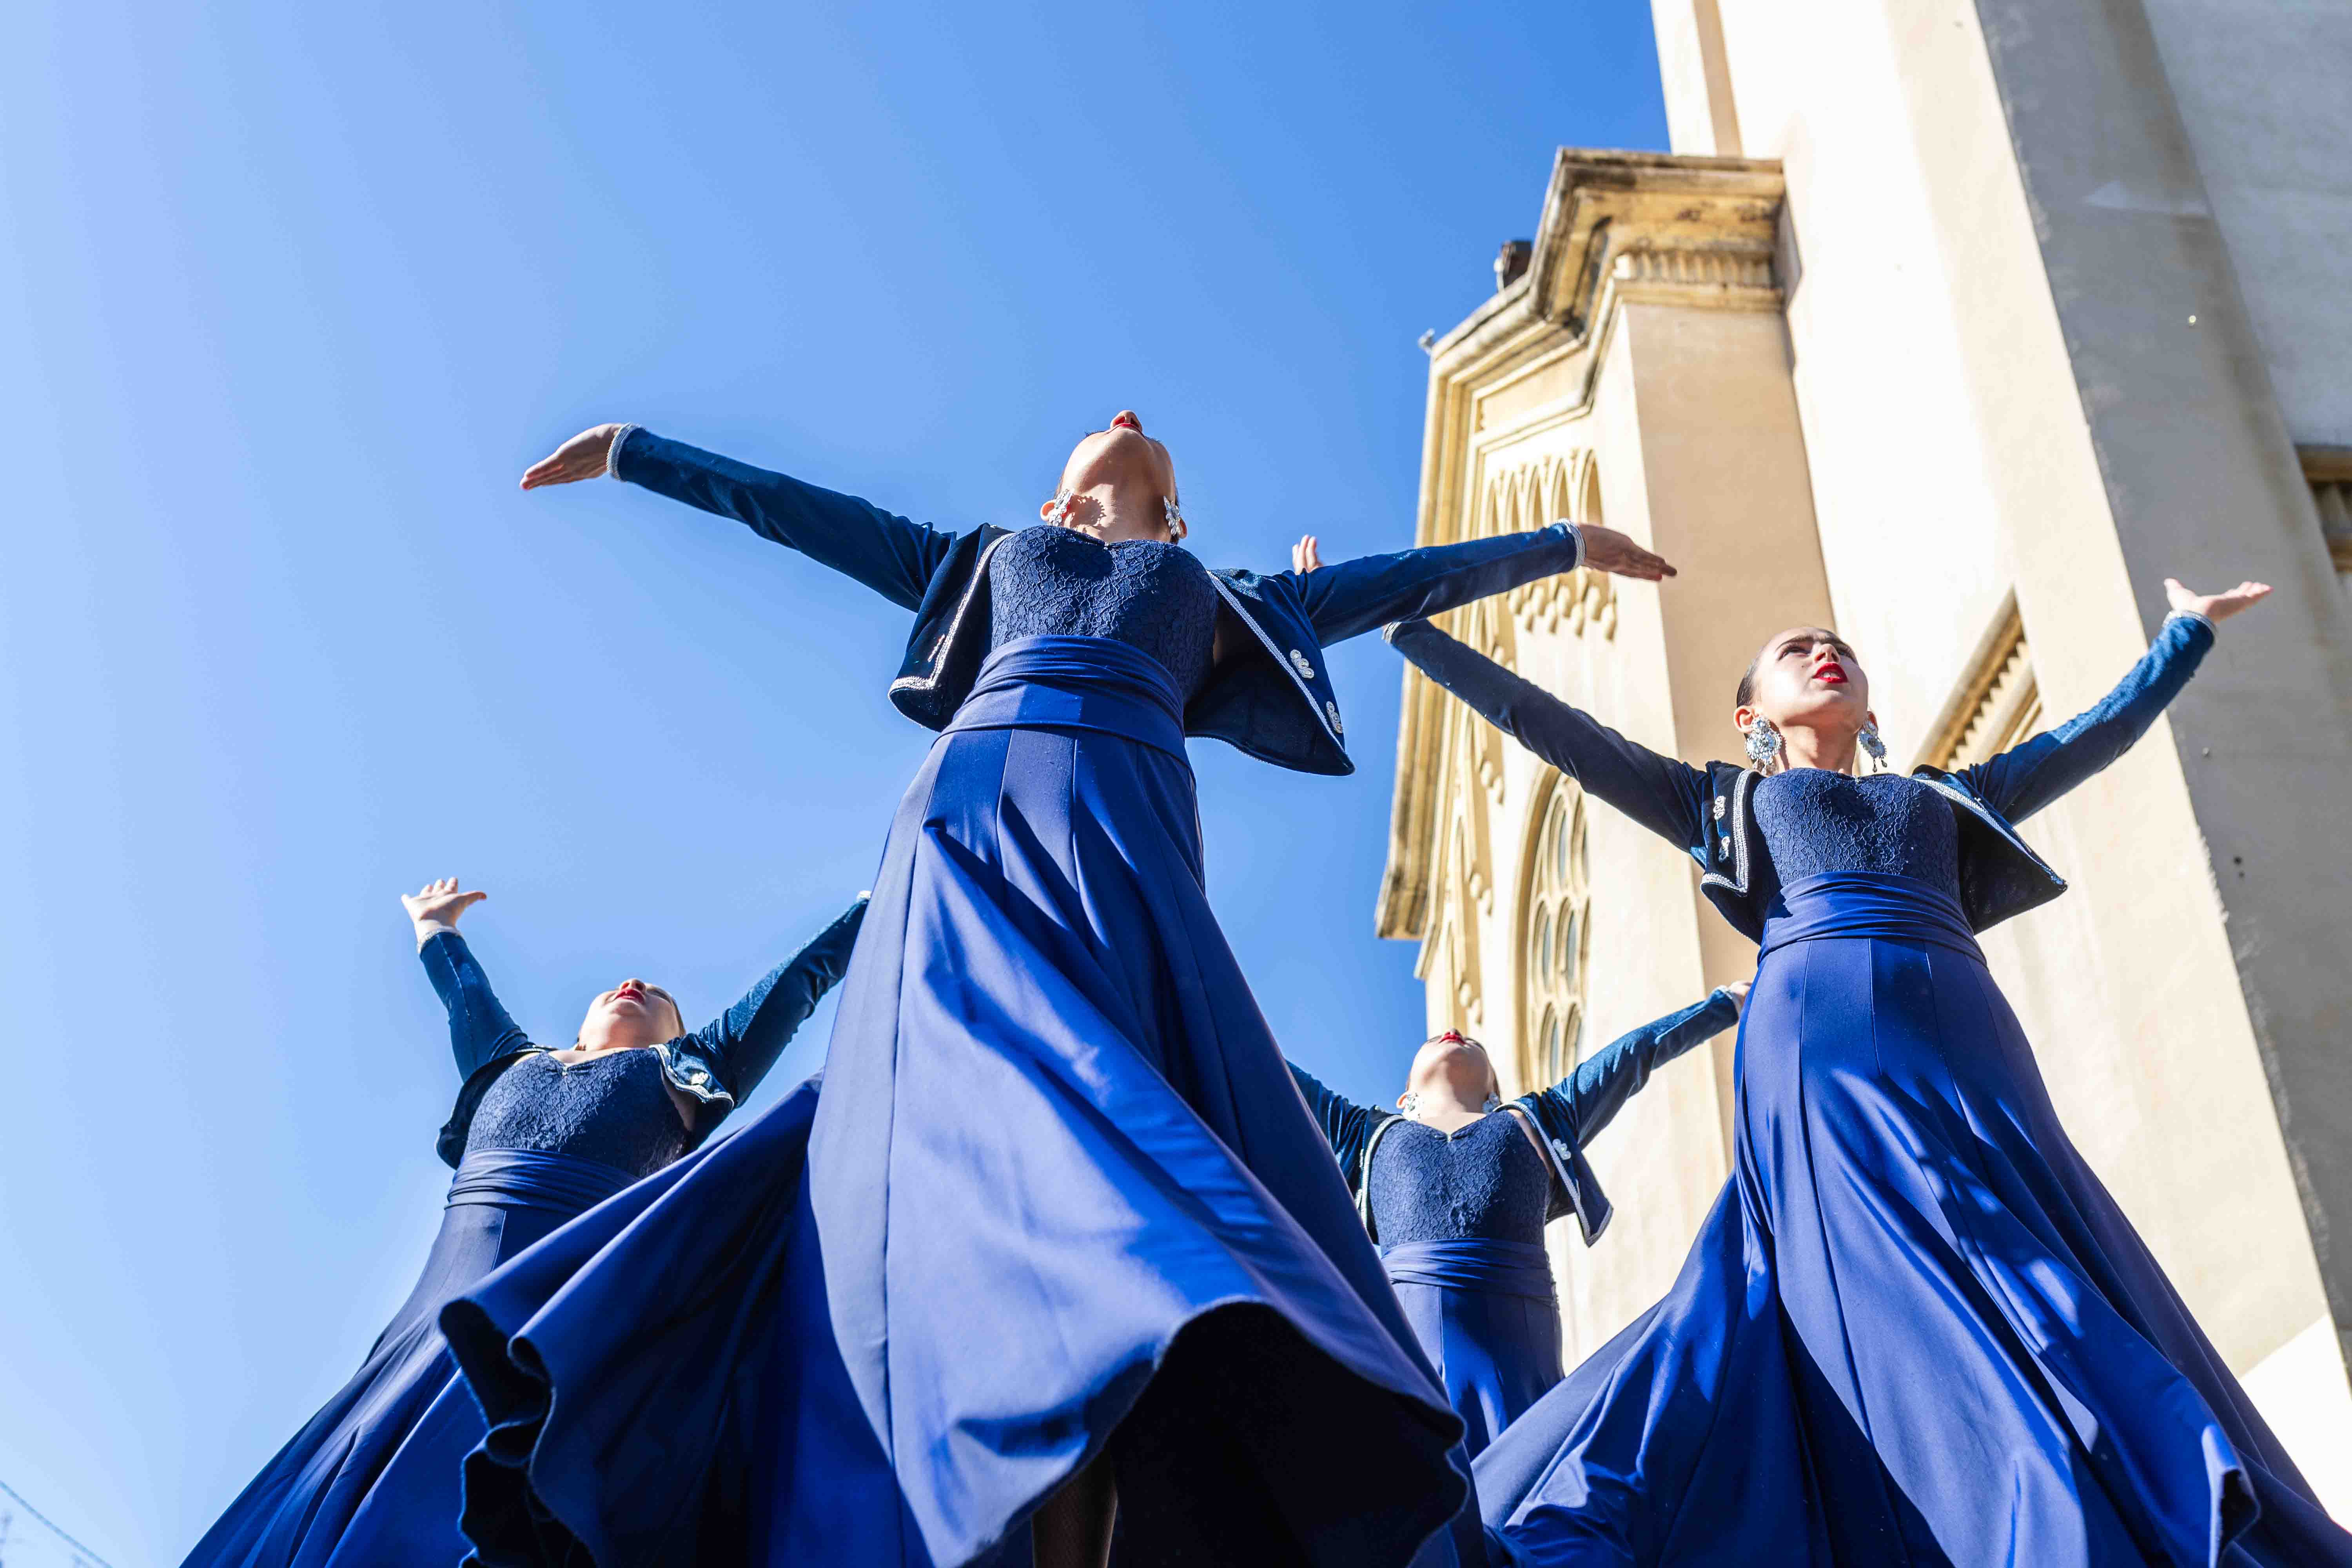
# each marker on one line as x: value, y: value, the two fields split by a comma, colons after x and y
x: 289, y: 296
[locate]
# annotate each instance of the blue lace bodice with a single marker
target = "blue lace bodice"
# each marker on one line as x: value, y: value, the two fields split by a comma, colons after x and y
x: 1055, y: 582
x: 1815, y: 821
x: 1485, y: 1180
x: 611, y: 1107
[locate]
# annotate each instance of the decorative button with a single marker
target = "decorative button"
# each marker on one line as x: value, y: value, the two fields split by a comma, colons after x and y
x: 1331, y: 711
x: 1298, y: 662
x: 1727, y: 844
x: 1719, y: 803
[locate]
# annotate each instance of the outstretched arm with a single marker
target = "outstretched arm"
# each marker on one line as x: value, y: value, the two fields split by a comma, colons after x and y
x: 2028, y: 777
x: 1666, y: 795
x: 480, y: 1030
x: 1345, y: 1124
x: 1351, y: 597
x: 889, y: 554
x: 744, y: 1042
x: 1589, y: 1099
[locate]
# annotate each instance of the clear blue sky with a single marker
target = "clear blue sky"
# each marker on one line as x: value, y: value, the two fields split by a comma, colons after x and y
x: 288, y: 297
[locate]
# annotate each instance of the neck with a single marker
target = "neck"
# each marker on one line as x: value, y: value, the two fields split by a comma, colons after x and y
x: 1118, y: 510
x: 1443, y: 1102
x: 1829, y: 749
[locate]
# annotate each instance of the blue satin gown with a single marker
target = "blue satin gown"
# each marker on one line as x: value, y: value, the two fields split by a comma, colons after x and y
x: 1915, y: 1329
x: 1057, y: 1199
x: 374, y: 1477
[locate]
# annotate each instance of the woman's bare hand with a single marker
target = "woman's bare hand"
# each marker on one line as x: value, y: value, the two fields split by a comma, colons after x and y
x: 1606, y: 550
x: 436, y: 907
x: 1304, y: 556
x: 2216, y: 608
x: 1738, y: 989
x: 581, y: 458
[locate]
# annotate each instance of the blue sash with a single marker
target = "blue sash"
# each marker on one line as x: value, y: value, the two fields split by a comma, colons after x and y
x: 535, y: 1179
x: 1867, y: 904
x: 1471, y: 1263
x: 1075, y: 683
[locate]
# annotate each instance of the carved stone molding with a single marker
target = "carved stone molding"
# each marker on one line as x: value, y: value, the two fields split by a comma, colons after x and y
x: 2328, y: 471
x: 1996, y: 702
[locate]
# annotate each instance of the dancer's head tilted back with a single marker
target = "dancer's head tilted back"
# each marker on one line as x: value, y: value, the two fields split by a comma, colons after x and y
x: 1450, y: 1066
x: 633, y: 1013
x: 1117, y: 484
x: 1804, y: 701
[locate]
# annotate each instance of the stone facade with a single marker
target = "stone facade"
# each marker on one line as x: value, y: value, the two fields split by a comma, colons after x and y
x: 1907, y: 340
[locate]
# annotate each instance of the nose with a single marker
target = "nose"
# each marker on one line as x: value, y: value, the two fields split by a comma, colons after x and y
x: 1125, y: 419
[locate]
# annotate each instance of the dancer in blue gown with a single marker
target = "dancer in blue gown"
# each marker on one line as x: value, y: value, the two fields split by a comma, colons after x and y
x: 1456, y: 1197
x: 1059, y: 1199
x: 1915, y: 1329
x: 538, y: 1136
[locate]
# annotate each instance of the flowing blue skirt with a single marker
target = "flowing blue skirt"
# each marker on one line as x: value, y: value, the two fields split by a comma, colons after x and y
x: 1058, y: 1198
x: 1915, y: 1329
x: 374, y: 1476
x: 1486, y: 1315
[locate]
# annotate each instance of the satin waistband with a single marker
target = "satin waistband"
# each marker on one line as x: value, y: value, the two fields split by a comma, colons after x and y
x: 535, y: 1179
x: 1075, y: 683
x: 1866, y: 904
x: 1471, y: 1263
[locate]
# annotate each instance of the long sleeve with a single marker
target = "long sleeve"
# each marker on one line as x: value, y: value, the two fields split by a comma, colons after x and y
x: 1345, y: 1124
x: 889, y: 554
x: 1588, y: 1100
x: 480, y: 1032
x: 1349, y: 598
x: 743, y: 1043
x: 1664, y: 795
x: 2028, y: 777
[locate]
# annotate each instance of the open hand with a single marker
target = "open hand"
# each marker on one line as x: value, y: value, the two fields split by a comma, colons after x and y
x: 581, y: 458
x: 1606, y: 550
x: 2216, y: 608
x: 1304, y: 555
x: 436, y: 905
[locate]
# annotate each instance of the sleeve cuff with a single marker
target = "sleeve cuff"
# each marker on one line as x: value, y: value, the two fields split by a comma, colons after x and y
x: 613, y: 452
x: 1577, y: 534
x: 2200, y: 617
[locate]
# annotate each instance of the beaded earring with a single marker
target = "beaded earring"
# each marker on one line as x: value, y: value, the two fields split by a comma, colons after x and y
x: 1174, y: 516
x: 1872, y: 743
x: 1763, y: 743
x: 1059, y: 509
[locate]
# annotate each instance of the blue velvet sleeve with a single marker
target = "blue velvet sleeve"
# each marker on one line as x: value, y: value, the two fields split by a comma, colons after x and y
x: 480, y: 1030
x: 1663, y: 793
x: 889, y: 554
x: 1589, y: 1099
x: 1345, y: 1124
x: 2028, y: 777
x: 1349, y: 598
x: 743, y: 1043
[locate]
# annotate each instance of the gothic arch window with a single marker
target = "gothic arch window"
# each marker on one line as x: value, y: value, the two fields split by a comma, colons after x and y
x: 1558, y: 935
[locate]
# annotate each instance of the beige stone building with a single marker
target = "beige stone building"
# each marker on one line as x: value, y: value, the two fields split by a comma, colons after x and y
x: 1957, y: 325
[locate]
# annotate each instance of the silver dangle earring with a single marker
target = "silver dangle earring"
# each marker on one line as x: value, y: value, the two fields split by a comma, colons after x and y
x: 1411, y: 1104
x: 1492, y: 1104
x: 1060, y: 508
x: 1874, y: 745
x: 1174, y: 516
x: 1763, y: 743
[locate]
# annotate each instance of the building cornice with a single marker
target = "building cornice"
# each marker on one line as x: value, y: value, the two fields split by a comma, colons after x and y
x: 1617, y: 229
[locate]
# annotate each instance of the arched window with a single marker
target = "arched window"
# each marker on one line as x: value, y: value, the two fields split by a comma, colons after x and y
x: 1559, y: 934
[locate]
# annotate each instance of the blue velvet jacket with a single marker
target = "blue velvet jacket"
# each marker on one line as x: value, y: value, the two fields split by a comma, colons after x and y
x: 1711, y: 812
x: 716, y: 1065
x: 1274, y: 700
x: 1564, y: 1117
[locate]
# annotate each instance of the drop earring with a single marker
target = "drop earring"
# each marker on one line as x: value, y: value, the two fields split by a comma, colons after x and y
x: 1763, y: 743
x: 1058, y: 510
x: 1173, y: 516
x: 1874, y: 745
x: 1411, y: 1104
